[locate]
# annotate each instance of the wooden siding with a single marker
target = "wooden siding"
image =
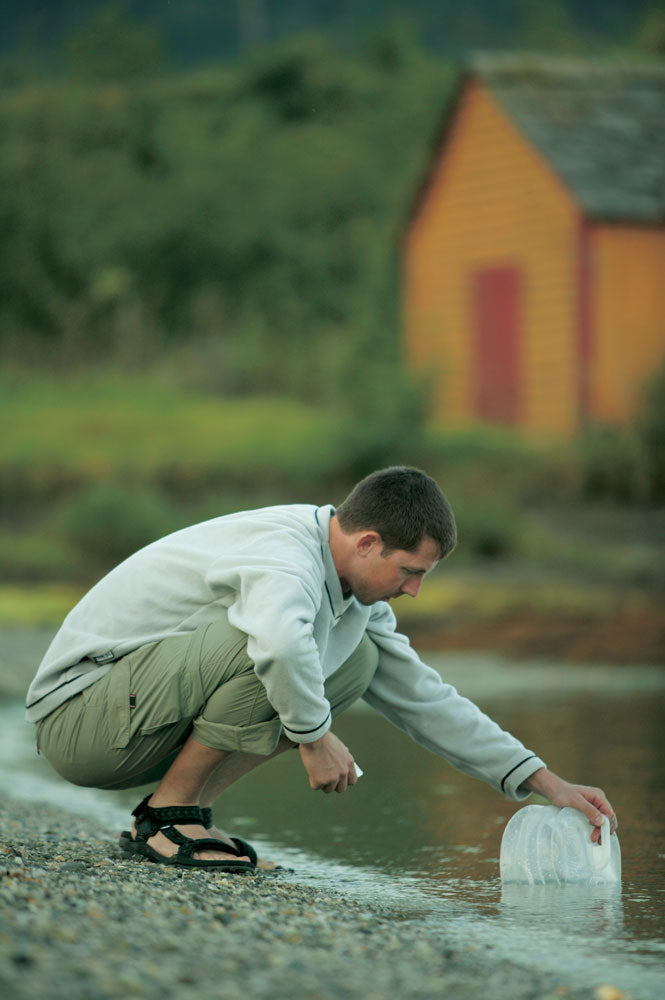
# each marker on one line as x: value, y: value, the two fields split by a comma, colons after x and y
x: 628, y: 289
x: 493, y: 202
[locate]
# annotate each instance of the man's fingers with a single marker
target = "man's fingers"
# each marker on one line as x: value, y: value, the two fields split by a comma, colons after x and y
x: 595, y: 816
x: 609, y: 812
x: 336, y: 786
x: 594, y: 804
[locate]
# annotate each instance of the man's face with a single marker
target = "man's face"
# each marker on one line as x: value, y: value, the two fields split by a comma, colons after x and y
x: 381, y: 574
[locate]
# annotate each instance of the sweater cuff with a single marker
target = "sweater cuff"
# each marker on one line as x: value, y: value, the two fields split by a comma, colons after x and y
x: 511, y: 781
x: 308, y: 735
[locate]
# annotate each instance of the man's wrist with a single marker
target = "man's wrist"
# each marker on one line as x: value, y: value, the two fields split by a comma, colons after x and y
x: 314, y: 744
x: 543, y: 782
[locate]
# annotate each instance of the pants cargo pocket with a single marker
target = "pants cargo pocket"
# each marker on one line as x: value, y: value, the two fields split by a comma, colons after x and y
x: 108, y: 700
x: 163, y: 685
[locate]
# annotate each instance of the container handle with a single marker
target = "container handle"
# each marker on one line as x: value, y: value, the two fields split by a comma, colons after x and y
x: 602, y: 852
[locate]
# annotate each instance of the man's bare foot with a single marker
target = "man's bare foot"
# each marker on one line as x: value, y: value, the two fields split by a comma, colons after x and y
x: 214, y: 831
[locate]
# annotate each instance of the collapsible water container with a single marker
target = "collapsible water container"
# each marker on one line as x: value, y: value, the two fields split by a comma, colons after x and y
x: 545, y: 845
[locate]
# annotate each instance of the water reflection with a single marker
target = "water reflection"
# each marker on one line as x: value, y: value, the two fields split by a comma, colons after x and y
x: 594, y: 911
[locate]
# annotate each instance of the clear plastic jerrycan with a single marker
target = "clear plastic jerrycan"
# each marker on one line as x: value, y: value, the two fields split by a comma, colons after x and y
x: 545, y: 845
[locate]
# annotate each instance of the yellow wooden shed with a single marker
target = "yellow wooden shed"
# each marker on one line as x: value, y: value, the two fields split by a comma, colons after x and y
x: 534, y: 257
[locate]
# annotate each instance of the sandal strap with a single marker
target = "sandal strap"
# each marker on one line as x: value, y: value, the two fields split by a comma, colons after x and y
x: 188, y: 847
x: 151, y: 819
x: 238, y: 846
x: 244, y: 848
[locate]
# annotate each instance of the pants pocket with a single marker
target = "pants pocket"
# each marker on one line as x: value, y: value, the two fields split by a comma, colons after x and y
x: 107, y: 701
x: 163, y: 685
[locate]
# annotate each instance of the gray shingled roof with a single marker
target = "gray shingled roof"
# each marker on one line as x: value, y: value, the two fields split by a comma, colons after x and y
x: 601, y: 126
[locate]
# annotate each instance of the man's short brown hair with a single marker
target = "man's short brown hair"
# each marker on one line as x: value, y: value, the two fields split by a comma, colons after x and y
x: 404, y: 506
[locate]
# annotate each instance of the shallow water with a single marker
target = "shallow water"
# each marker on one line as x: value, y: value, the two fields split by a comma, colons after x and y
x: 417, y: 835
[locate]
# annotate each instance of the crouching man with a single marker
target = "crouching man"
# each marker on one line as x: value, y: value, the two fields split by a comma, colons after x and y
x: 218, y: 647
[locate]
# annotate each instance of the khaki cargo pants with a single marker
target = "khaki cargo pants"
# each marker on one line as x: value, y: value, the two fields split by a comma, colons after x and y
x: 126, y: 728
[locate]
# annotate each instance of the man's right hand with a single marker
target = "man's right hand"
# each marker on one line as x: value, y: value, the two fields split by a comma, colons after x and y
x: 328, y: 764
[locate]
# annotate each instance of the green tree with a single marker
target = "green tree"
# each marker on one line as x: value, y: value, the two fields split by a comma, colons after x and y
x: 548, y: 27
x: 260, y: 205
x: 650, y: 34
x: 112, y: 46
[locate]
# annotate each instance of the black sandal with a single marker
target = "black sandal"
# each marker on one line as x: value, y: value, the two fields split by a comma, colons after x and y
x: 239, y: 847
x: 152, y: 819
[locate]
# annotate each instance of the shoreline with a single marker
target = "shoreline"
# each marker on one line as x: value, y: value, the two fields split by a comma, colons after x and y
x: 83, y: 921
x: 623, y: 638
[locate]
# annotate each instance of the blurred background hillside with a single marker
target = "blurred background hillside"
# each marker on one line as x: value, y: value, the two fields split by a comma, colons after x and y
x: 202, y: 211
x: 195, y: 32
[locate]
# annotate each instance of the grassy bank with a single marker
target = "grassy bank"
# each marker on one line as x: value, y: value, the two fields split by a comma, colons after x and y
x: 93, y: 467
x: 60, y: 434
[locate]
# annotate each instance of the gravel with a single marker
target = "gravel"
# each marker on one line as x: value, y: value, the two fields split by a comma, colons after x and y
x: 82, y: 921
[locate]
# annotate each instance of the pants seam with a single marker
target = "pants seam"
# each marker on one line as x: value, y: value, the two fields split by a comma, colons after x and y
x: 258, y: 691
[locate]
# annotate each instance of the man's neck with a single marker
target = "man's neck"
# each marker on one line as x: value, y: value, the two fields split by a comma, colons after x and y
x: 339, y: 550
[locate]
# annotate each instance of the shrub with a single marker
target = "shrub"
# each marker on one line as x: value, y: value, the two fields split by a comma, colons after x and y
x: 382, y: 417
x: 108, y: 522
x: 651, y: 433
x: 612, y: 465
x: 487, y: 528
x: 627, y: 464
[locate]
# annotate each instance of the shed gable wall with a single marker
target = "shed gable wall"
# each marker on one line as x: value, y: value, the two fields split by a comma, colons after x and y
x: 492, y: 202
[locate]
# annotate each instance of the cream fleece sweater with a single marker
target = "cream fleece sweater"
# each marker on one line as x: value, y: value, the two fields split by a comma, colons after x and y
x: 273, y: 571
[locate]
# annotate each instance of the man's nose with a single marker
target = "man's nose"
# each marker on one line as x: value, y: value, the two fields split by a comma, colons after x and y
x: 411, y: 586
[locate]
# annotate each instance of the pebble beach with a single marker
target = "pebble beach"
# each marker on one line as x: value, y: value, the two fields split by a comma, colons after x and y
x: 80, y: 921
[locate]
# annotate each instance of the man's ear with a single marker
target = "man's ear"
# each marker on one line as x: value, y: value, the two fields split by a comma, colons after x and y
x: 367, y: 541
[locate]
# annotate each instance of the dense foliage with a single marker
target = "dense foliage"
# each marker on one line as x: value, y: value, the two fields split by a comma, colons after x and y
x: 254, y: 214
x: 197, y: 31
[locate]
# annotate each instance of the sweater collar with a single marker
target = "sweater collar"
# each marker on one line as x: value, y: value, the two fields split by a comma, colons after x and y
x: 338, y: 602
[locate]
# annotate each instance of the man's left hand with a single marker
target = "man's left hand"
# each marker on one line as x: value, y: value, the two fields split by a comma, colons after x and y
x: 591, y: 801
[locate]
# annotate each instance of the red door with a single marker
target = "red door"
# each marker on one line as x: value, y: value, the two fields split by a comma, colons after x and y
x: 496, y: 312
